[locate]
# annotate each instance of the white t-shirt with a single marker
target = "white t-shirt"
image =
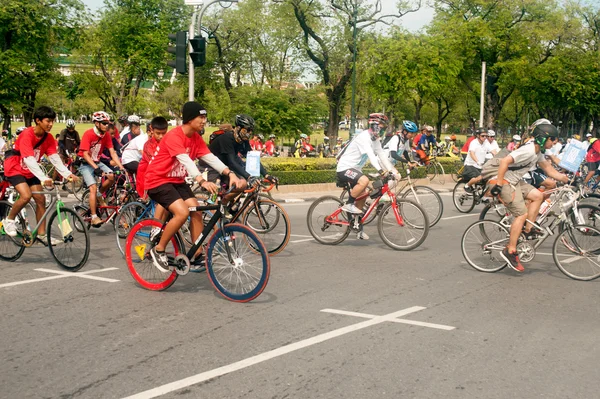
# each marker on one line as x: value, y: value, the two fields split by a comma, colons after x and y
x: 555, y: 150
x: 133, y: 150
x: 493, y: 146
x: 479, y: 150
x: 361, y: 149
x: 398, y: 146
x: 525, y: 159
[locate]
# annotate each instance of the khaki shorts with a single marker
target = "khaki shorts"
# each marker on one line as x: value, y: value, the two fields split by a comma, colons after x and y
x: 514, y: 197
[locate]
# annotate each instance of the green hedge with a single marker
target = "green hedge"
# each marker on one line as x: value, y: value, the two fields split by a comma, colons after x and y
x: 326, y: 176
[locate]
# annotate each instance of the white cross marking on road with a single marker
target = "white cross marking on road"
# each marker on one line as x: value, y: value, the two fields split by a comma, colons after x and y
x: 262, y: 357
x: 395, y: 320
x: 62, y: 274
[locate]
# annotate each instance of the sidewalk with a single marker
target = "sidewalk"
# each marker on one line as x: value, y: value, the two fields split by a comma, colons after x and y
x: 310, y: 192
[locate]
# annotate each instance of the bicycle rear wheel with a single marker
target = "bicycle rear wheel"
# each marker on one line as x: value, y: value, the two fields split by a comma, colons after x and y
x: 237, y: 263
x: 576, y: 252
x: 429, y: 200
x: 129, y: 215
x: 270, y: 221
x: 139, y: 261
x: 368, y: 201
x: 325, y: 222
x: 11, y: 248
x: 403, y: 227
x: 497, y: 213
x: 463, y: 201
x: 74, y: 248
x: 482, y: 243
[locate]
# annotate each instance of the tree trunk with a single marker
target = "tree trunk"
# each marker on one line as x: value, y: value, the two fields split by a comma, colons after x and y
x: 6, y: 117
x: 418, y: 105
x: 28, y: 107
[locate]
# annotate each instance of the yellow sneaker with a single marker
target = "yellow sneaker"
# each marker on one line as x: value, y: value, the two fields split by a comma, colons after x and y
x: 96, y: 221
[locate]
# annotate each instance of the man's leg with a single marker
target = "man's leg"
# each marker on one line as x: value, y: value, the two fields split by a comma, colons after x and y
x: 358, y: 190
x: 40, y: 208
x: 535, y: 197
x: 179, y: 210
x: 24, y: 197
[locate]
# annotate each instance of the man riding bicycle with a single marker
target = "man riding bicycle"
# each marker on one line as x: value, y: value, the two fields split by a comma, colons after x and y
x: 475, y: 159
x: 427, y: 140
x: 366, y: 145
x: 399, y: 145
x: 513, y: 191
x: 21, y: 169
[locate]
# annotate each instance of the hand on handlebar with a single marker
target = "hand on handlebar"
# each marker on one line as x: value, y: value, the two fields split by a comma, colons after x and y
x: 236, y: 182
x: 210, y: 187
x: 496, y: 190
x: 48, y: 184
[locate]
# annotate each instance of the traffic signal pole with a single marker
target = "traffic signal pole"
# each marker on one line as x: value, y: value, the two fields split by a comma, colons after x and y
x: 191, y: 74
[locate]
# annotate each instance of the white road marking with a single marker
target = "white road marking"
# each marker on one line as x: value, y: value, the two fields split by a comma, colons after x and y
x: 460, y: 216
x: 303, y: 240
x: 296, y: 235
x: 64, y: 274
x: 404, y: 321
x: 571, y: 259
x: 262, y: 357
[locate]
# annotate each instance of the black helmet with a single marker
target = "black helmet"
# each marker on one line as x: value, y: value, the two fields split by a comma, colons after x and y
x: 542, y: 133
x: 480, y: 130
x: 122, y: 118
x: 244, y: 121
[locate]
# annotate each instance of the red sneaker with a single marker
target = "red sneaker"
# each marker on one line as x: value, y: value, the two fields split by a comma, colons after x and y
x: 513, y: 260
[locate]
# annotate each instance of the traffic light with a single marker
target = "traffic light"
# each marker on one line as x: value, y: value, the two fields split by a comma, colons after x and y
x: 180, y: 51
x: 198, y: 53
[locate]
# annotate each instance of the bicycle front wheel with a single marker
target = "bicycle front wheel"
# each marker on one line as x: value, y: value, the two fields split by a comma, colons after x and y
x: 11, y: 249
x: 429, y: 200
x: 139, y: 261
x: 576, y: 252
x: 326, y: 222
x: 237, y: 263
x: 128, y: 215
x: 68, y: 244
x: 463, y: 201
x: 271, y: 222
x: 482, y: 243
x: 403, y: 227
x: 458, y: 170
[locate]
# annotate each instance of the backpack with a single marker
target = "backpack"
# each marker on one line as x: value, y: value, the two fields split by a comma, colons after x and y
x: 386, y: 140
x: 12, y: 152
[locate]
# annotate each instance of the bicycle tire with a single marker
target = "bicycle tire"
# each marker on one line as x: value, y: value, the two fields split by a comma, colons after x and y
x: 10, y: 248
x: 429, y: 200
x: 139, y: 261
x: 272, y: 226
x: 440, y: 173
x: 315, y: 220
x: 412, y: 232
x: 368, y: 201
x: 74, y: 187
x: 463, y: 201
x: 129, y: 215
x: 497, y: 213
x: 73, y: 253
x: 588, y: 214
x: 458, y: 170
x: 581, y: 260
x: 224, y: 263
x: 85, y: 214
x: 430, y: 171
x: 481, y: 244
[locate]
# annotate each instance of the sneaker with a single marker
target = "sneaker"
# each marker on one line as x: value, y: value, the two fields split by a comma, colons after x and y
x: 361, y: 235
x: 154, y: 233
x: 513, y: 260
x: 198, y: 265
x: 10, y: 227
x: 160, y: 259
x: 351, y: 208
x: 53, y: 240
x: 468, y: 189
x: 96, y: 221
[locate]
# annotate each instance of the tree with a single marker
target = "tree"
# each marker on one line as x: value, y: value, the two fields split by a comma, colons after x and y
x: 32, y: 35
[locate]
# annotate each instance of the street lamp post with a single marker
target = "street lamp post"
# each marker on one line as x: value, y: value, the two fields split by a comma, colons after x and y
x: 353, y: 101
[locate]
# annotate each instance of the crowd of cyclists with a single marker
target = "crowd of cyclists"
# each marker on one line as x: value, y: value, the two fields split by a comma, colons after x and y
x: 162, y: 161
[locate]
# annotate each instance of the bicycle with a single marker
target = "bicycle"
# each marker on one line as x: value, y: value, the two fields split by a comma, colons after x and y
x: 64, y: 226
x: 434, y: 169
x: 483, y: 241
x: 236, y: 260
x: 465, y: 201
x: 402, y: 224
x: 425, y: 196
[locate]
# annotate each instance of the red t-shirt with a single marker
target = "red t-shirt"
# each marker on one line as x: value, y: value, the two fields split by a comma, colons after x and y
x: 417, y: 139
x: 147, y: 153
x: 252, y: 143
x: 465, y: 148
x: 269, y: 147
x: 93, y: 144
x: 593, y: 154
x: 14, y: 166
x: 164, y: 167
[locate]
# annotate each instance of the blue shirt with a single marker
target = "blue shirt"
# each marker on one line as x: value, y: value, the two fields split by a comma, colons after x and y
x: 427, y: 141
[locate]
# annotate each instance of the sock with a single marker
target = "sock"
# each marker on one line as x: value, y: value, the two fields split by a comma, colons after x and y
x: 94, y: 216
x: 351, y: 199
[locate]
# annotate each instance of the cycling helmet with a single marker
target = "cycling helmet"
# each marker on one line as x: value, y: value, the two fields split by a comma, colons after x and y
x: 303, y: 136
x: 480, y: 130
x: 100, y: 116
x: 325, y: 138
x: 453, y: 137
x: 133, y: 119
x: 70, y: 123
x: 542, y: 133
x: 516, y: 137
x: 378, y: 123
x: 122, y: 119
x: 542, y: 121
x: 272, y: 136
x: 491, y: 133
x: 261, y: 137
x: 245, y: 122
x: 20, y: 129
x: 447, y: 138
x: 410, y: 126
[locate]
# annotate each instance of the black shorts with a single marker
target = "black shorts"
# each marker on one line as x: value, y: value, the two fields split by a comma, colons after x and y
x: 349, y: 176
x: 132, y: 167
x: 470, y: 172
x: 18, y: 179
x: 592, y: 166
x: 169, y: 193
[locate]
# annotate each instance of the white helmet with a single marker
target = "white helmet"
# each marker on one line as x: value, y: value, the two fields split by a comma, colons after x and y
x: 70, y: 123
x: 516, y: 137
x: 447, y: 138
x: 542, y: 121
x: 491, y: 133
x: 133, y: 119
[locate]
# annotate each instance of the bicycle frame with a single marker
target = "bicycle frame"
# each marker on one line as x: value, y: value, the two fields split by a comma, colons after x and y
x: 56, y: 201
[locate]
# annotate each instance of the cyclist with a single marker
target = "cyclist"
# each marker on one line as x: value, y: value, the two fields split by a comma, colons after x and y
x: 165, y: 176
x: 475, y: 159
x: 93, y: 142
x: 133, y: 131
x: 398, y: 146
x: 365, y: 145
x: 227, y: 147
x: 512, y: 190
x: 427, y: 140
x: 69, y: 140
x: 270, y: 146
x: 492, y: 145
x: 21, y: 169
x: 132, y: 151
x: 515, y: 143
x: 124, y: 126
x: 592, y: 157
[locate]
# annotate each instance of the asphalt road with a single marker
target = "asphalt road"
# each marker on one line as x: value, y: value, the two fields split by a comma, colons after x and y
x: 96, y: 334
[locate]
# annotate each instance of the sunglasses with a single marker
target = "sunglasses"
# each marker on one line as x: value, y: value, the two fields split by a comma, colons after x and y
x: 105, y: 123
x: 483, y: 135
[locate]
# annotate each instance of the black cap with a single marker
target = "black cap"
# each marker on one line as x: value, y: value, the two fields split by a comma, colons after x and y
x: 192, y: 110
